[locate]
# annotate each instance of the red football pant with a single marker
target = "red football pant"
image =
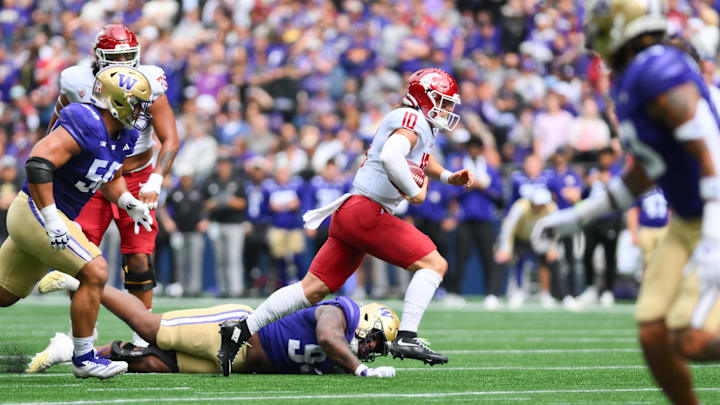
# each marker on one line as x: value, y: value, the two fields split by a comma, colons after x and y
x: 95, y: 217
x: 362, y: 226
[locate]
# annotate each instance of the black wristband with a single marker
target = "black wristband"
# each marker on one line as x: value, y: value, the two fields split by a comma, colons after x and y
x: 39, y: 170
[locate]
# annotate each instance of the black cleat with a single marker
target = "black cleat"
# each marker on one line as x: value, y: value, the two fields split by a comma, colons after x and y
x: 233, y: 335
x: 416, y: 348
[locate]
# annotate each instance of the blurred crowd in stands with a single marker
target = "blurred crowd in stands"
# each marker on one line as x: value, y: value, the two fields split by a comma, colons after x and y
x: 277, y: 101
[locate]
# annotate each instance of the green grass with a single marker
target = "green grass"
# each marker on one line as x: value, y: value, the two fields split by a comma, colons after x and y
x: 505, y: 357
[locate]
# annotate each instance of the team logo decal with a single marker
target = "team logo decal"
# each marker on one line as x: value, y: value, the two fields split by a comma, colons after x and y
x: 81, y: 93
x: 427, y: 80
x: 126, y: 81
x: 163, y: 81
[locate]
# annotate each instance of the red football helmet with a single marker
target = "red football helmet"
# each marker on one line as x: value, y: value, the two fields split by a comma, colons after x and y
x: 116, y: 45
x: 435, y: 93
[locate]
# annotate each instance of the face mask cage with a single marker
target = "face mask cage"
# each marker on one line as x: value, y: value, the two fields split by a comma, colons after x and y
x: 442, y: 113
x: 372, y: 345
x: 118, y: 57
x: 140, y: 119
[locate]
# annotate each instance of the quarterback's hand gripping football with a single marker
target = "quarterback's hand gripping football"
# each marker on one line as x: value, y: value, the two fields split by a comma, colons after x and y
x: 138, y: 211
x: 382, y: 372
x: 549, y: 228
x: 705, y: 259
x: 150, y: 191
x: 55, y: 228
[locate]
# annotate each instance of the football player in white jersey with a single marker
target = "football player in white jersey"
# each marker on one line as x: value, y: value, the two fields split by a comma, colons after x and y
x: 116, y: 44
x: 362, y: 222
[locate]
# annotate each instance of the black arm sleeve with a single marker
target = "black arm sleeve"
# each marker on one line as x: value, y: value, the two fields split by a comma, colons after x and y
x: 39, y: 170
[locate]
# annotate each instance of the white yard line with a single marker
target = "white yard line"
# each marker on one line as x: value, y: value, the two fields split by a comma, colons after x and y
x: 542, y: 368
x: 425, y: 395
x: 142, y: 389
x: 541, y: 351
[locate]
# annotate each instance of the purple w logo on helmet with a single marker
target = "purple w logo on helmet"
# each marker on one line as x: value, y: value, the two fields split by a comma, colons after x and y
x: 126, y: 81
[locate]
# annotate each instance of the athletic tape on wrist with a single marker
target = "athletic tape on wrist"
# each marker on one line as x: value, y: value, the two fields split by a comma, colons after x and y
x: 445, y: 176
x: 711, y: 220
x: 710, y: 188
x: 361, y: 370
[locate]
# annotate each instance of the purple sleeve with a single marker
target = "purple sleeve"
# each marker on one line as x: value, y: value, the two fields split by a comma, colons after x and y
x: 663, y: 69
x: 74, y: 121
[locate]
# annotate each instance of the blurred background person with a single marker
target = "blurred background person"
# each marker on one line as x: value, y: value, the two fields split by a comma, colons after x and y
x: 225, y: 202
x: 601, y: 232
x: 566, y: 186
x: 514, y: 245
x: 477, y: 222
x: 185, y: 219
x: 285, y: 236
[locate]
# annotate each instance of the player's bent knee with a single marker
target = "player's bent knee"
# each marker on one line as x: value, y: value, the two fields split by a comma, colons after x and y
x: 6, y: 298
x: 315, y: 289
x: 653, y: 334
x: 95, y: 273
x: 433, y: 261
x: 139, y: 273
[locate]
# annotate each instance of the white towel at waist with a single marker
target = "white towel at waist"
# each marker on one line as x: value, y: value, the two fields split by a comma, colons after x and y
x: 314, y: 218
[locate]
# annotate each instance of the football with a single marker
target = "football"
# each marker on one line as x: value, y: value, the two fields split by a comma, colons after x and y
x: 417, y: 174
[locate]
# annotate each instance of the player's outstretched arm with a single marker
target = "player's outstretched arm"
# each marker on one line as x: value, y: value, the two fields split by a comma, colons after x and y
x: 463, y: 177
x: 330, y: 331
x: 164, y: 125
x: 48, y: 154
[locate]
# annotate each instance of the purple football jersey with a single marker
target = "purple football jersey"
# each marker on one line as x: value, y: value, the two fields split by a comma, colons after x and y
x: 653, y: 71
x: 82, y: 176
x: 291, y: 343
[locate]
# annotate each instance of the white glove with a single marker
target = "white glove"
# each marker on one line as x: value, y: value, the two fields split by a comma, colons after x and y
x: 153, y: 185
x: 549, y: 228
x: 363, y: 371
x: 138, y: 211
x: 55, y: 228
x: 383, y: 371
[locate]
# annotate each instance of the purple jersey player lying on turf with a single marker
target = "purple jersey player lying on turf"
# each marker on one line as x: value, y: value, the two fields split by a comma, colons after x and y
x: 332, y: 336
x: 81, y: 155
x: 670, y: 125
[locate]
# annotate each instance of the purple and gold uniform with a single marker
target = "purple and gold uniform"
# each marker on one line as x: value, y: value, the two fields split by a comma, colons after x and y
x: 26, y: 255
x: 291, y: 343
x: 666, y: 293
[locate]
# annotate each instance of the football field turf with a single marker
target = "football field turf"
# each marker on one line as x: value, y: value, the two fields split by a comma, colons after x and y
x: 505, y: 357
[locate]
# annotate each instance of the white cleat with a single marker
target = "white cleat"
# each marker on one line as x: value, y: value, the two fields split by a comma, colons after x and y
x: 571, y: 304
x: 589, y: 296
x: 90, y: 365
x: 547, y: 301
x: 607, y: 299
x: 454, y: 301
x: 491, y: 303
x: 58, y: 351
x: 516, y: 300
x: 57, y: 281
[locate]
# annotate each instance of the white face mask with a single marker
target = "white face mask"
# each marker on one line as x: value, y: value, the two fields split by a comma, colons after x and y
x: 442, y: 113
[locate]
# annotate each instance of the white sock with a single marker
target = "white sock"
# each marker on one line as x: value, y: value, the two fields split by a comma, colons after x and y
x: 139, y: 341
x: 72, y: 283
x: 82, y: 345
x: 282, y: 302
x: 417, y: 297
